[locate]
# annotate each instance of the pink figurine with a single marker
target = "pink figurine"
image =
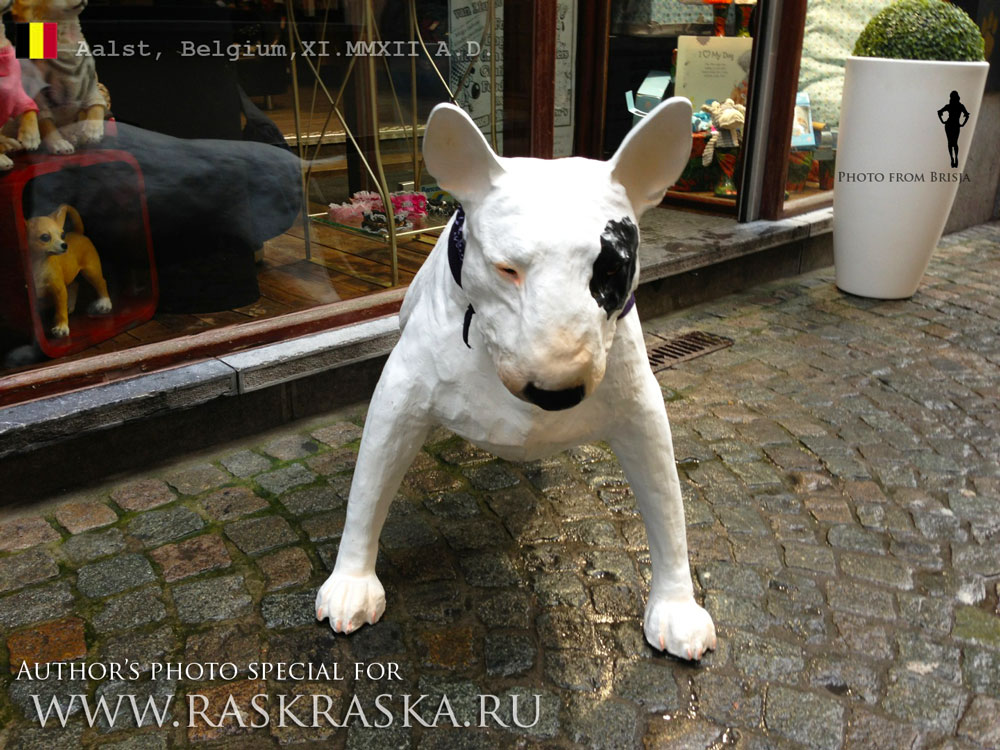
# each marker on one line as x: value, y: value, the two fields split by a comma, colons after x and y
x: 15, y: 103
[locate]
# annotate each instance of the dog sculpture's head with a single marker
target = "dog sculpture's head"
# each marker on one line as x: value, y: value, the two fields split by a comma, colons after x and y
x: 48, y: 10
x: 551, y: 246
x: 47, y: 234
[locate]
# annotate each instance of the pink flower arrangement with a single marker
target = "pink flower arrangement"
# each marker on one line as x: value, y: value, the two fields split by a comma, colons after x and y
x: 414, y: 204
x: 406, y: 205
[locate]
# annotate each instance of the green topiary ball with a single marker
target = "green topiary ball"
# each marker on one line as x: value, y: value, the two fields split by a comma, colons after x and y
x: 922, y: 30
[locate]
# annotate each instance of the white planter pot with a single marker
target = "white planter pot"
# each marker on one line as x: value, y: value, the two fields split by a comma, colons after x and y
x: 895, y: 184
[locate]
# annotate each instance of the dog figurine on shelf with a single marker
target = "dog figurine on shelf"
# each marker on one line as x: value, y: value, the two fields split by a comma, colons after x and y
x: 16, y: 106
x: 59, y: 255
x: 519, y: 334
x: 71, y: 106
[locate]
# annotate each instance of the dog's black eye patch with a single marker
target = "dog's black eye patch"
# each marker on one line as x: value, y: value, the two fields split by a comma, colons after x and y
x: 615, y: 266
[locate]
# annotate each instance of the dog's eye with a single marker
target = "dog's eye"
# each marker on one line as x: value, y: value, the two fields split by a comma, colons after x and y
x: 62, y: 236
x: 45, y: 237
x: 510, y: 273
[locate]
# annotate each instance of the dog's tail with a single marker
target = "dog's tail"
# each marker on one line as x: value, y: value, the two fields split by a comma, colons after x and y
x: 72, y: 215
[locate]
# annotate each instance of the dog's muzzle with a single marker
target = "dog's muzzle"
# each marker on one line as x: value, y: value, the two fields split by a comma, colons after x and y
x: 554, y: 400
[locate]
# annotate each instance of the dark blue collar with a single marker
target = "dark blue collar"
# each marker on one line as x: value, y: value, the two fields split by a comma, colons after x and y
x: 628, y: 306
x: 456, y: 245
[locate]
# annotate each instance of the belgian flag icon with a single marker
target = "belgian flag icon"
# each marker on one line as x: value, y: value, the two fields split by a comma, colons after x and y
x: 37, y: 41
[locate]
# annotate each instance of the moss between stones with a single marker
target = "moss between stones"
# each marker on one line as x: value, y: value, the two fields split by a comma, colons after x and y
x: 973, y: 624
x: 922, y: 30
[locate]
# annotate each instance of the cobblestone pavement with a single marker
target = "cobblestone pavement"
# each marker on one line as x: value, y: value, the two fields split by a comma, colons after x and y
x: 841, y: 481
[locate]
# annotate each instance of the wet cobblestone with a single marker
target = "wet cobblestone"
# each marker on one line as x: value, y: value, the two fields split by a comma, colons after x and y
x: 83, y: 516
x: 142, y: 494
x: 25, y: 568
x: 840, y: 474
x: 115, y: 574
x: 245, y: 463
x: 192, y: 557
x: 232, y: 502
x: 92, y: 545
x: 220, y: 598
x: 160, y: 526
x: 22, y: 533
x: 130, y: 610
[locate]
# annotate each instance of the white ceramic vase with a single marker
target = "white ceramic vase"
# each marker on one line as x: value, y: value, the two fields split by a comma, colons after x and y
x: 895, y: 183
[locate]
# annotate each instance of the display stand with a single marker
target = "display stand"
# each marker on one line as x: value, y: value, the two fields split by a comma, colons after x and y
x: 371, y: 160
x: 106, y: 187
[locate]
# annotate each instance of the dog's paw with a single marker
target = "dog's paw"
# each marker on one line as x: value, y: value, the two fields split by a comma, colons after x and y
x: 29, y: 139
x: 9, y: 145
x: 91, y: 131
x: 60, y: 331
x: 680, y: 627
x: 6, y: 162
x: 56, y: 144
x: 99, y: 306
x: 350, y: 601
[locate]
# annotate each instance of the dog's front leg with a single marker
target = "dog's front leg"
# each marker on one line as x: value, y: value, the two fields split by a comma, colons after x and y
x: 7, y: 145
x: 60, y: 295
x: 395, y: 429
x: 673, y: 620
x: 91, y: 125
x: 27, y: 134
x: 53, y: 139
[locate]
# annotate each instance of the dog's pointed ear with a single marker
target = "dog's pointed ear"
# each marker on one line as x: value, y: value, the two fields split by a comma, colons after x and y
x: 457, y: 154
x: 59, y: 215
x: 654, y: 153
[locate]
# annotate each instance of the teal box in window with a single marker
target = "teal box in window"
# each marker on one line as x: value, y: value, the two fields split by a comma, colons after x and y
x: 652, y: 91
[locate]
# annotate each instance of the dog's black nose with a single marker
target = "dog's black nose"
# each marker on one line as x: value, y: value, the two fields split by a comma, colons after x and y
x: 554, y: 400
x: 63, y: 246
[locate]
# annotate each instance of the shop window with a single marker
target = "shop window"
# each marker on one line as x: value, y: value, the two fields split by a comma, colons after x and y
x: 761, y: 151
x: 241, y: 187
x: 264, y: 176
x: 699, y: 50
x: 831, y: 29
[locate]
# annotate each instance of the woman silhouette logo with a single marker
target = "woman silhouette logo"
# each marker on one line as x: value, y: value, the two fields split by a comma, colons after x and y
x: 956, y: 112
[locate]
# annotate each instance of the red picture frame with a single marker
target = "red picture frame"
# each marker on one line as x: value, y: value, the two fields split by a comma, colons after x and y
x: 106, y: 187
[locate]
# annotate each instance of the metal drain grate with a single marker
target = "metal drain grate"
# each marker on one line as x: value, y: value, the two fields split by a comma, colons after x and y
x: 681, y: 349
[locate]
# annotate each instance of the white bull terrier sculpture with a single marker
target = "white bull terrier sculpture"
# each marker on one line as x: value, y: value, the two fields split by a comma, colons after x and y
x: 518, y: 334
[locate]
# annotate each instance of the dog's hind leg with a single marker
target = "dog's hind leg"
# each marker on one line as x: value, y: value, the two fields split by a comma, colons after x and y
x: 394, y: 431
x: 91, y: 271
x: 673, y: 621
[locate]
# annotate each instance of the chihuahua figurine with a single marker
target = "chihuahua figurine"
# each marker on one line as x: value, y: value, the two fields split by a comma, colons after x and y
x: 58, y: 256
x: 72, y: 96
x: 14, y: 102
